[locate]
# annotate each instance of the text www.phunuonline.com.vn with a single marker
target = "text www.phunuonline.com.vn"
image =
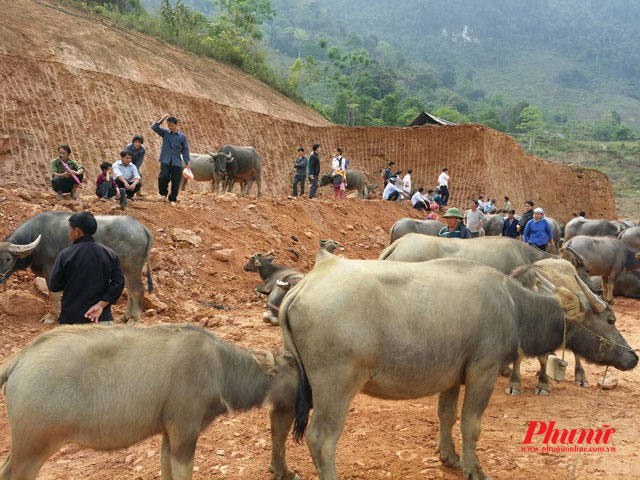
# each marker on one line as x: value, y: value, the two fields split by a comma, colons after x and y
x: 566, y: 449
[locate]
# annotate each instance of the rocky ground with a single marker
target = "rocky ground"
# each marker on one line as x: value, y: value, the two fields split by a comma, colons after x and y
x: 199, y: 250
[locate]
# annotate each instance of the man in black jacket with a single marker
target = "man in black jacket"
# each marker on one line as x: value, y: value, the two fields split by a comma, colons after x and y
x: 88, y: 274
x: 314, y: 170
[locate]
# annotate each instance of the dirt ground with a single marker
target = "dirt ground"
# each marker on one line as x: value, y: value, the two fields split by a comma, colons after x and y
x: 97, y: 87
x: 382, y: 439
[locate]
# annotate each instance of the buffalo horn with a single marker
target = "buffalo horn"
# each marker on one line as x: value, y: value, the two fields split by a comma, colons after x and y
x: 596, y: 302
x: 24, y: 250
x: 545, y: 282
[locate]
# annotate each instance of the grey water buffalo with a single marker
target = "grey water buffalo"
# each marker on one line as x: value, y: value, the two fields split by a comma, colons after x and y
x: 556, y: 231
x: 493, y: 226
x: 503, y: 253
x: 627, y: 284
x: 411, y: 225
x: 285, y: 278
x: 168, y: 379
x: 631, y: 237
x: 203, y: 169
x: 356, y: 180
x: 593, y: 228
x: 562, y: 274
x: 130, y: 239
x: 605, y: 256
x: 417, y: 342
x: 239, y: 164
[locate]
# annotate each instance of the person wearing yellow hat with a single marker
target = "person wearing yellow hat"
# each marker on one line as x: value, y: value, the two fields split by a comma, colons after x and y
x: 455, y: 227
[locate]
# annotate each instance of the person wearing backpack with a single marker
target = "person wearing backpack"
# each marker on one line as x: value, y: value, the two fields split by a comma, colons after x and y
x: 387, y: 173
x: 338, y: 174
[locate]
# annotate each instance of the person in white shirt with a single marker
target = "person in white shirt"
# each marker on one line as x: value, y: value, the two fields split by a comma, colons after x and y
x: 339, y: 167
x: 481, y: 202
x: 443, y: 183
x: 126, y: 174
x: 406, y: 181
x: 419, y: 201
x: 393, y: 190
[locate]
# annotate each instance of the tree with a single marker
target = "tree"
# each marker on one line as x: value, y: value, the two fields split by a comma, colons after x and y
x: 451, y: 114
x: 246, y: 16
x: 531, y: 123
x: 301, y: 36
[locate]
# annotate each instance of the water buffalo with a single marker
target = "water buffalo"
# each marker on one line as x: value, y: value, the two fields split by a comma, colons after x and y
x: 411, y: 225
x: 503, y: 253
x: 563, y: 274
x: 631, y: 237
x: 417, y: 342
x: 493, y: 226
x: 269, y: 272
x: 285, y: 279
x: 239, y: 164
x: 593, y: 228
x: 605, y: 256
x: 556, y: 231
x: 627, y: 284
x: 355, y: 181
x: 130, y: 239
x: 169, y: 379
x: 203, y: 168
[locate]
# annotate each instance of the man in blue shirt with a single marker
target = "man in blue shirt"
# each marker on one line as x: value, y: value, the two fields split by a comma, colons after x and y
x: 175, y: 148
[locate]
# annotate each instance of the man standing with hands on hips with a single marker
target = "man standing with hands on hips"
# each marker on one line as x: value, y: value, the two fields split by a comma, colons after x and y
x: 175, y: 148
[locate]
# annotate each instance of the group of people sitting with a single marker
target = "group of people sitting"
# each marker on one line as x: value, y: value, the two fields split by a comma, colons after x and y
x: 121, y: 179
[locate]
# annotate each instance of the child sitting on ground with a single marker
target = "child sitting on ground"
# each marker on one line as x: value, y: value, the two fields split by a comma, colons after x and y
x: 106, y: 186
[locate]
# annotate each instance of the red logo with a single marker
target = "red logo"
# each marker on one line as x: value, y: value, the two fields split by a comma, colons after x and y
x: 565, y: 436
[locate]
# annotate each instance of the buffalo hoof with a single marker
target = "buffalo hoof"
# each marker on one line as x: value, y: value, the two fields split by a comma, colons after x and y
x: 287, y: 475
x: 452, y: 460
x: 266, y: 317
x: 541, y: 391
x: 512, y: 391
x: 477, y: 474
x: 581, y: 382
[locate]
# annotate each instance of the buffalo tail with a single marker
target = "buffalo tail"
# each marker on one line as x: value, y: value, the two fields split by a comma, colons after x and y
x: 149, y: 279
x: 304, y: 396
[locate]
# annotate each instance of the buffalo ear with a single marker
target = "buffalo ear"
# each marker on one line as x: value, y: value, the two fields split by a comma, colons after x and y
x: 266, y: 360
x: 570, y: 304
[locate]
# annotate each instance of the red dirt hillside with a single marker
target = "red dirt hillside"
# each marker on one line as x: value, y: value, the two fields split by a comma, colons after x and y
x: 97, y: 87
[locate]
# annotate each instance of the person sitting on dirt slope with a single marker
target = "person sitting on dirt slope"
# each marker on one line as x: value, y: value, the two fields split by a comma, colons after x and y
x: 126, y: 174
x: 433, y: 215
x: 63, y: 170
x: 106, y: 186
x: 137, y: 153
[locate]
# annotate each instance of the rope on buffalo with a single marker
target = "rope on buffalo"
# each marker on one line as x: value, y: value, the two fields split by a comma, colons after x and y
x: 593, y: 414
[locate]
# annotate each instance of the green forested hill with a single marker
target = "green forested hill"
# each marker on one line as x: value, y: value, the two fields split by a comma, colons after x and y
x: 574, y: 60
